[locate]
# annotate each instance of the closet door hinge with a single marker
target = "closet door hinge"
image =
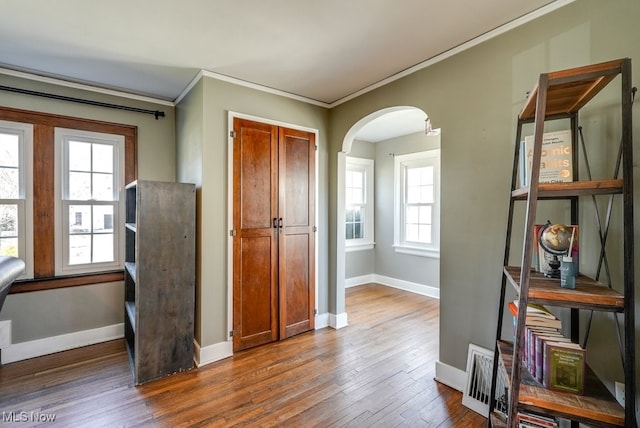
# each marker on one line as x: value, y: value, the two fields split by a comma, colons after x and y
x: 232, y: 134
x: 232, y: 232
x: 315, y: 147
x: 231, y: 333
x: 315, y: 312
x: 315, y: 228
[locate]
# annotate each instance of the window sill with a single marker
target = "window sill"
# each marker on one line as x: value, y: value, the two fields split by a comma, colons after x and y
x: 40, y: 284
x: 359, y: 247
x: 414, y: 251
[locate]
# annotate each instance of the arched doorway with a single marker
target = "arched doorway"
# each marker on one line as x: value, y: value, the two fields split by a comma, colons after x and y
x: 407, y: 127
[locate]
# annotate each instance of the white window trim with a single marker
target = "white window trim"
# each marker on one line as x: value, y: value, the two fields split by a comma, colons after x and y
x: 25, y: 201
x: 430, y: 157
x: 368, y: 242
x: 62, y: 267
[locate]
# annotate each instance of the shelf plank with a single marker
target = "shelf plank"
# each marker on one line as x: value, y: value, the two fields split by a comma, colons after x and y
x: 576, y: 188
x: 498, y: 420
x: 597, y: 406
x: 588, y: 294
x: 569, y: 90
x: 130, y: 308
x: 130, y: 267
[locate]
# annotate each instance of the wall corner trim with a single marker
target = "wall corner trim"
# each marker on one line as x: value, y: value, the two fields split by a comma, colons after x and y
x: 450, y: 376
x: 211, y: 353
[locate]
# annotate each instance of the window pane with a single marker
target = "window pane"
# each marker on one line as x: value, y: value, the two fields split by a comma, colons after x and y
x: 79, y: 249
x: 9, y: 150
x: 103, y: 187
x: 80, y: 186
x: 102, y: 158
x: 425, y: 215
x: 411, y: 232
x: 413, y: 215
x: 79, y: 219
x: 102, y: 218
x: 424, y: 234
x: 426, y: 194
x: 357, y: 231
x: 426, y: 175
x: 8, y: 220
x: 103, y: 247
x: 9, y: 183
x: 79, y: 156
x: 9, y: 247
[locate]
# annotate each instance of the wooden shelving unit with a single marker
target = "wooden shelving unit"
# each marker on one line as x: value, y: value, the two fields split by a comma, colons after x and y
x: 159, y: 278
x: 561, y: 95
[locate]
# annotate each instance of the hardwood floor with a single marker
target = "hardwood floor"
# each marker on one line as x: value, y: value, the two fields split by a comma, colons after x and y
x: 379, y: 371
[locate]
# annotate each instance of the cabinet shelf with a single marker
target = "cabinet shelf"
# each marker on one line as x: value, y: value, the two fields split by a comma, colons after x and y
x: 130, y: 308
x: 130, y: 267
x: 596, y: 406
x: 588, y: 294
x: 576, y: 188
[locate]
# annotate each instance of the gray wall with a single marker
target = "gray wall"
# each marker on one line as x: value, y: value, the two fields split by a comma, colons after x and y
x: 474, y: 97
x: 42, y: 314
x: 210, y: 104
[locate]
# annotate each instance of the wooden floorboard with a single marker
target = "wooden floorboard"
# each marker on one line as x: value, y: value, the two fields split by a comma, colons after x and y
x: 377, y: 372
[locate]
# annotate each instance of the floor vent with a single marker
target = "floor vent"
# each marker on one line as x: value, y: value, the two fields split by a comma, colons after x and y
x: 478, y: 385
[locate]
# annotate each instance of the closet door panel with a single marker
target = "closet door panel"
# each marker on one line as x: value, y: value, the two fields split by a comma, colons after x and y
x: 297, y: 236
x: 255, y: 249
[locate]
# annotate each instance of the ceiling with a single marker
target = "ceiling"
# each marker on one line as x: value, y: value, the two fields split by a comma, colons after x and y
x: 322, y: 51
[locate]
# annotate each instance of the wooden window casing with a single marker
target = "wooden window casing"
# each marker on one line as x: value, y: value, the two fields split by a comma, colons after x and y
x: 44, y: 124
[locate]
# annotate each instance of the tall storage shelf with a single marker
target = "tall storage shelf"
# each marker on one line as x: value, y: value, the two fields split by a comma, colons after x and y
x: 159, y: 278
x: 561, y: 95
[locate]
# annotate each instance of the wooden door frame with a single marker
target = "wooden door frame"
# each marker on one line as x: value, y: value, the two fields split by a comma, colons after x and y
x: 230, y: 118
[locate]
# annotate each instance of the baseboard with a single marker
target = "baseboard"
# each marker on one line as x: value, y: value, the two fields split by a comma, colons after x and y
x: 451, y: 376
x: 64, y: 342
x: 212, y: 353
x: 338, y: 321
x: 322, y: 321
x: 414, y: 287
x: 359, y: 280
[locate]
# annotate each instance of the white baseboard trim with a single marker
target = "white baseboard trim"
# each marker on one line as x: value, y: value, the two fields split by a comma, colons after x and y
x: 414, y: 287
x: 64, y: 342
x: 322, y: 321
x: 451, y: 376
x: 212, y: 353
x: 359, y: 280
x: 338, y: 321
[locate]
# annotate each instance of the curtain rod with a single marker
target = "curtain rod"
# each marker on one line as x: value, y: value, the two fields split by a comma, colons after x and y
x: 156, y: 113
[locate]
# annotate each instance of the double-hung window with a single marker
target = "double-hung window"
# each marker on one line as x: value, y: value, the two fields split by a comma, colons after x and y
x: 89, y: 208
x: 359, y: 221
x: 417, y: 203
x: 16, y: 204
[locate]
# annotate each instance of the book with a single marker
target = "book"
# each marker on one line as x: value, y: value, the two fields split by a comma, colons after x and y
x: 556, y: 161
x: 531, y: 420
x: 539, y: 341
x: 564, y: 367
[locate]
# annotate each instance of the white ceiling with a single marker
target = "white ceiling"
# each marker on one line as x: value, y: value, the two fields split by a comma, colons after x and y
x: 323, y: 51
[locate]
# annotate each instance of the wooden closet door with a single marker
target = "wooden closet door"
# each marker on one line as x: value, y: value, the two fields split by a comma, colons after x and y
x: 255, y: 246
x: 297, y: 237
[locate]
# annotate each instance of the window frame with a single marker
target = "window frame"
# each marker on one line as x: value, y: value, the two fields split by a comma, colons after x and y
x: 62, y: 138
x: 44, y: 276
x: 401, y: 163
x: 24, y: 201
x: 367, y: 166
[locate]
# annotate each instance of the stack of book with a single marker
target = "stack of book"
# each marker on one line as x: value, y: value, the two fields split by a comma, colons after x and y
x: 552, y: 359
x: 532, y: 420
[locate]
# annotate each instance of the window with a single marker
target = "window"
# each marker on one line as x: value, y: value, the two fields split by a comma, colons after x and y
x: 417, y: 203
x: 88, y: 204
x: 359, y: 219
x: 16, y: 143
x: 33, y: 220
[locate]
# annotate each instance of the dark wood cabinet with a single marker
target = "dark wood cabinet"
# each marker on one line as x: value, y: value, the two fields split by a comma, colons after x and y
x: 159, y: 278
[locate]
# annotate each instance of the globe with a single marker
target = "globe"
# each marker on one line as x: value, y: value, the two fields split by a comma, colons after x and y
x: 555, y: 239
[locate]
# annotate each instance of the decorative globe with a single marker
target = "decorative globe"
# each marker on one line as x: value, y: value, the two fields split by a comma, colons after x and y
x: 556, y: 238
